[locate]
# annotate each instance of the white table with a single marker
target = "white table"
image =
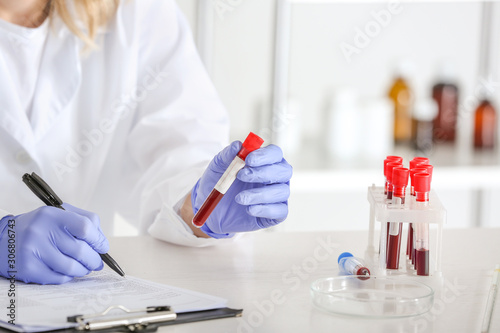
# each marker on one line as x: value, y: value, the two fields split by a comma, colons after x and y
x: 269, y: 274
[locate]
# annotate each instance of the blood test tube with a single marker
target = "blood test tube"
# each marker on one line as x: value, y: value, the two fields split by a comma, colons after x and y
x: 350, y: 265
x: 386, y: 161
x: 390, y: 167
x: 399, y: 183
x: 422, y: 188
x: 251, y: 143
x: 427, y: 167
x: 413, y: 164
x: 409, y: 243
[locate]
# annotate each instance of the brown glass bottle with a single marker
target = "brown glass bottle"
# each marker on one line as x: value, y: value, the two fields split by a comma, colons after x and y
x: 485, y: 121
x: 446, y: 96
x: 401, y: 95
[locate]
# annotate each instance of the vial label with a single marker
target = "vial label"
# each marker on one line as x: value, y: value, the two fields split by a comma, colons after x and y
x: 230, y: 175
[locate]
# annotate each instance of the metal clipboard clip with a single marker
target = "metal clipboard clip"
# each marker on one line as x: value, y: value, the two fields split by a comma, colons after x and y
x: 133, y: 320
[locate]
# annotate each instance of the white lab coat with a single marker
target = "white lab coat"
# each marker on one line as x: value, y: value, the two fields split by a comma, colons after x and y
x: 127, y: 128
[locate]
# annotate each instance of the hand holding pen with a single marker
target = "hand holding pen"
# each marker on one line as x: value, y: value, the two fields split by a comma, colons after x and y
x: 52, y: 246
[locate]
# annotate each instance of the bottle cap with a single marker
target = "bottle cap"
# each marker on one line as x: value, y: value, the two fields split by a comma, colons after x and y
x: 418, y: 160
x: 344, y: 255
x: 422, y: 182
x: 390, y: 167
x: 251, y: 143
x: 400, y: 177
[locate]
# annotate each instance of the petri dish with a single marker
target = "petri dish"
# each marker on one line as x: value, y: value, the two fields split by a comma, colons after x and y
x: 374, y: 297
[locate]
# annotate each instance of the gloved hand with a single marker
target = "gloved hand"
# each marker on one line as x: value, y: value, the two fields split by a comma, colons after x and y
x: 52, y: 245
x: 257, y: 199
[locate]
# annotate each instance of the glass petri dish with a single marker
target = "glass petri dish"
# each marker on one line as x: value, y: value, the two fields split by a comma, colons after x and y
x: 374, y: 297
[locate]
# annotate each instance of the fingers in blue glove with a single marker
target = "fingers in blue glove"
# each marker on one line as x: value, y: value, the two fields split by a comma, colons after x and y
x: 270, y: 214
x: 267, y: 174
x: 83, y: 228
x: 42, y: 274
x: 268, y: 194
x: 222, y: 160
x: 270, y: 154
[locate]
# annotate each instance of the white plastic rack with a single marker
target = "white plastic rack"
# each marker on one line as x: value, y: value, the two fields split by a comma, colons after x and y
x: 383, y: 210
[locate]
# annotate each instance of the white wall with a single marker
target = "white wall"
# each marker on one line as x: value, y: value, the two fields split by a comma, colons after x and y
x: 242, y: 67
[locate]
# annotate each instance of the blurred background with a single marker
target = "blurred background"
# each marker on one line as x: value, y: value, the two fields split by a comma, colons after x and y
x: 341, y: 84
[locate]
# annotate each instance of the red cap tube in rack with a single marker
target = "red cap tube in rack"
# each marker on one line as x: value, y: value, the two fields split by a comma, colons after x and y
x: 422, y: 189
x: 399, y: 183
x: 251, y: 143
x: 386, y: 161
x: 390, y: 167
x: 413, y: 164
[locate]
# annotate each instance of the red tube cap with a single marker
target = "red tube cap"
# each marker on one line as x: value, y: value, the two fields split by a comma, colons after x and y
x: 416, y: 170
x: 390, y: 167
x: 400, y: 177
x: 251, y: 143
x: 427, y: 167
x: 391, y: 159
x: 422, y: 182
x: 418, y: 160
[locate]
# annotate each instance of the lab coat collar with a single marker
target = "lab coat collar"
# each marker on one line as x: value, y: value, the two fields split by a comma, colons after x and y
x: 58, y: 81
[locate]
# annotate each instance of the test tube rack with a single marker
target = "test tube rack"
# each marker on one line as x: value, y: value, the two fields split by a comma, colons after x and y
x: 383, y: 210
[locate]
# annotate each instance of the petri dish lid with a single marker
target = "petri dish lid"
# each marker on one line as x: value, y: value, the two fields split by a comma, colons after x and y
x: 380, y: 297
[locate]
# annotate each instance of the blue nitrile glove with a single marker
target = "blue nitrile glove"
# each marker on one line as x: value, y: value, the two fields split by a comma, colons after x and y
x: 257, y: 199
x: 52, y: 245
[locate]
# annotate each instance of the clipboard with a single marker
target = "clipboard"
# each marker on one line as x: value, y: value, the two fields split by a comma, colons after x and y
x: 140, y: 320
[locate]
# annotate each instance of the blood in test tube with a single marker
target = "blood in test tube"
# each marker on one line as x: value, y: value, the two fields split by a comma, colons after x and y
x: 251, y: 143
x: 386, y: 161
x: 409, y: 243
x: 428, y: 169
x: 422, y: 188
x: 350, y: 265
x: 399, y: 183
x: 390, y: 167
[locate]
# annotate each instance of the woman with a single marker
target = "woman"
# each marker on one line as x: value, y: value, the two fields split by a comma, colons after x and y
x: 108, y: 101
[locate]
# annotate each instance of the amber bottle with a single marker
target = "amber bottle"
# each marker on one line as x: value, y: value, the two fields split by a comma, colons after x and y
x: 402, y: 97
x: 446, y: 97
x: 485, y: 126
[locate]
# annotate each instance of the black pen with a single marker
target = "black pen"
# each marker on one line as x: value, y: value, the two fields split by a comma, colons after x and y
x: 42, y: 190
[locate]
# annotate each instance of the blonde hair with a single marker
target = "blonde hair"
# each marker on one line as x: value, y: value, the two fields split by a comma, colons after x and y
x: 92, y: 13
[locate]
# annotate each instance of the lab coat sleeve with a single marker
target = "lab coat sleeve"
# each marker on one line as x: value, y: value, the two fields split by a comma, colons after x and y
x: 181, y: 123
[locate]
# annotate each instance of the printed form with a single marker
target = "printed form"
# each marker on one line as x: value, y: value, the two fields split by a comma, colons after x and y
x: 43, y: 307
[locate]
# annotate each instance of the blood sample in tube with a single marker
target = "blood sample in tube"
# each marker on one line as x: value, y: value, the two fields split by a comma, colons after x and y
x: 422, y: 188
x: 350, y: 265
x: 390, y: 167
x: 399, y: 183
x: 251, y: 143
x: 409, y: 243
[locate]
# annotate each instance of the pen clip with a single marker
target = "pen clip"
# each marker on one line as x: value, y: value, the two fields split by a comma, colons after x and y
x: 42, y: 190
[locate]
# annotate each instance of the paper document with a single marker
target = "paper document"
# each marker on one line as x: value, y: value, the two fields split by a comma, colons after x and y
x: 40, y: 308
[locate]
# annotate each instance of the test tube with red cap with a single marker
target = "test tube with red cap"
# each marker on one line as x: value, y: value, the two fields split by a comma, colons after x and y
x: 413, y: 164
x: 399, y: 183
x: 251, y: 143
x: 422, y: 167
x: 389, y: 167
x: 422, y: 189
x: 410, y: 249
x: 386, y: 161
